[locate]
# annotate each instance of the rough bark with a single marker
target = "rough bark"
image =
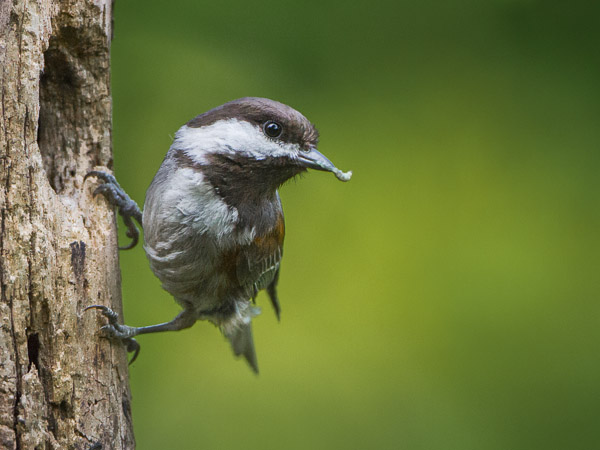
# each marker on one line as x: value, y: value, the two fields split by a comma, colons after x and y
x: 61, y: 386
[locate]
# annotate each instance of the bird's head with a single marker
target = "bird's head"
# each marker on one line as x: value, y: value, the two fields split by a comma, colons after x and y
x: 253, y: 139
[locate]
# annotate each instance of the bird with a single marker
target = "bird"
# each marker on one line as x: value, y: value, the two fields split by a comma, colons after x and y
x: 212, y: 219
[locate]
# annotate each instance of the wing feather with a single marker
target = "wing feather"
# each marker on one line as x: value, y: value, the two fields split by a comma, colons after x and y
x: 258, y: 263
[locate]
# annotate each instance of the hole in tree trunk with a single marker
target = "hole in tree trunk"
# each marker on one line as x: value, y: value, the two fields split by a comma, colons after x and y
x: 73, y: 106
x: 33, y: 350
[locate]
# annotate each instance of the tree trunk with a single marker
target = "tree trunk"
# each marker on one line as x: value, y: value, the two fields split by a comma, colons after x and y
x: 61, y: 386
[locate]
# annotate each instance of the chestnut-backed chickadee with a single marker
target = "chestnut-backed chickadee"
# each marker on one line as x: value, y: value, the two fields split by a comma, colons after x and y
x: 213, y: 222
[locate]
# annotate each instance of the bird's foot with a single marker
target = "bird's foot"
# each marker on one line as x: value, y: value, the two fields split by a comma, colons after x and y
x: 115, y: 330
x: 116, y: 196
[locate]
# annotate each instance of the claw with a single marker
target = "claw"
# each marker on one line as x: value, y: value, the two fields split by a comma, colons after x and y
x: 107, y: 177
x: 132, y: 232
x: 132, y: 346
x: 114, y: 330
x: 116, y: 196
x: 108, y: 330
x: 106, y: 312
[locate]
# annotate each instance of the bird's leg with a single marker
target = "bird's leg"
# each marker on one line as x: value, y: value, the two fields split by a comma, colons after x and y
x: 113, y: 329
x: 116, y: 196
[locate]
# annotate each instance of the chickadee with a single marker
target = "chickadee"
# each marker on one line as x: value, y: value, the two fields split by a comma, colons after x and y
x: 213, y: 222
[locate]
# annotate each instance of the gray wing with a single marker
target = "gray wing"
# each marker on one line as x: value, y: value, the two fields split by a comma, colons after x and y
x: 258, y: 263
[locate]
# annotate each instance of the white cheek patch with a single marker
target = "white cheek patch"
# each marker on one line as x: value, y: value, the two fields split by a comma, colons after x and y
x: 229, y: 136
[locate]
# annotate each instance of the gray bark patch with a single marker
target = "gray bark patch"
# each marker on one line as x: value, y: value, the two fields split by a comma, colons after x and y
x: 78, y: 259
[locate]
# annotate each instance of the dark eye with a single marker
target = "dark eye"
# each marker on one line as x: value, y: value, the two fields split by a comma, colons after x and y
x: 272, y: 129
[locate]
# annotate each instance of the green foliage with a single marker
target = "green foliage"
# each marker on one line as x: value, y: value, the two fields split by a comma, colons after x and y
x: 446, y: 297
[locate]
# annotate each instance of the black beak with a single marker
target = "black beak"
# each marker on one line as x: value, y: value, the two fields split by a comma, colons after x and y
x: 313, y: 159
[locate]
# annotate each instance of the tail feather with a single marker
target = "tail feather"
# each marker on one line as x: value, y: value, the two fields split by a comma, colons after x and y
x: 272, y: 291
x: 242, y: 343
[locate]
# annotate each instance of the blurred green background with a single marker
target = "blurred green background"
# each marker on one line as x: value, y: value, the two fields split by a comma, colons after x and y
x: 448, y: 296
